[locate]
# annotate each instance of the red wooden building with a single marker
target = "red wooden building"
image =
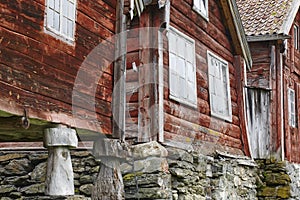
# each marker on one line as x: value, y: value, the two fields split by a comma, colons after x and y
x: 272, y: 29
x: 128, y: 70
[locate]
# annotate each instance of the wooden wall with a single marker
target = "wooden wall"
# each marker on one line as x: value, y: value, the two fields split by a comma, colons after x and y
x: 292, y: 80
x: 37, y: 71
x: 192, y: 126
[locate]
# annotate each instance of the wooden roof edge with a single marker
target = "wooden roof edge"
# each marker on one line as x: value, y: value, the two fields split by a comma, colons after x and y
x: 260, y: 38
x: 289, y: 19
x: 237, y: 31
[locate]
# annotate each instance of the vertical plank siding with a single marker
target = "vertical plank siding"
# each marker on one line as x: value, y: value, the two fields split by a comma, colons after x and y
x: 258, y: 107
x: 37, y: 71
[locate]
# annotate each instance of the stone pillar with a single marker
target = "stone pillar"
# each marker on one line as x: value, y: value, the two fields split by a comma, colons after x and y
x: 109, y: 183
x: 60, y: 178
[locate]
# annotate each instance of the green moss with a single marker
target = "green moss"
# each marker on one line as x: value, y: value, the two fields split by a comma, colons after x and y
x: 284, y: 192
x: 131, y: 176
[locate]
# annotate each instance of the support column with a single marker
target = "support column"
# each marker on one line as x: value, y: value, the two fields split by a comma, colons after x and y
x: 109, y: 183
x: 60, y: 178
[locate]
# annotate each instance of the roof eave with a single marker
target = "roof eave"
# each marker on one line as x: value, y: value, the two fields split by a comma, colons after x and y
x: 288, y: 22
x: 267, y: 37
x: 237, y: 31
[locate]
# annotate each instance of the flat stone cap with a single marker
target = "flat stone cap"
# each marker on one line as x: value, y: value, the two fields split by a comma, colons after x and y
x: 60, y: 136
x: 105, y: 147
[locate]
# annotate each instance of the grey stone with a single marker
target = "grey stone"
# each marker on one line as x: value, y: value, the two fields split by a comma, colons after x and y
x: 9, y: 156
x: 17, y: 180
x: 86, y: 179
x: 7, y: 189
x: 151, y: 164
x: 148, y: 150
x: 60, y: 136
x: 34, y: 189
x: 39, y: 172
x: 17, y: 167
x: 180, y: 154
x: 86, y: 189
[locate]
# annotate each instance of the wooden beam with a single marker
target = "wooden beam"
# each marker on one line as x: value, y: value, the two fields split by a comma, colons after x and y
x: 119, y: 94
x: 240, y: 83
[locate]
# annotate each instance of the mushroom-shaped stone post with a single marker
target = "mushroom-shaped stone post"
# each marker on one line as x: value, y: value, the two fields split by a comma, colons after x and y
x: 60, y: 178
x: 109, y: 183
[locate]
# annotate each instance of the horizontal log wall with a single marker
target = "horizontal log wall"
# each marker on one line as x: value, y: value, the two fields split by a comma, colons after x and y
x: 188, y: 125
x: 292, y: 80
x: 38, y: 71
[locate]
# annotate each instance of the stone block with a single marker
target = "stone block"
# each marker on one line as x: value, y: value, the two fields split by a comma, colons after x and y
x: 60, y: 136
x: 149, y: 149
x: 105, y: 147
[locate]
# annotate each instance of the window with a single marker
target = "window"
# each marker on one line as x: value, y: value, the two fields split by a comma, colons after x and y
x: 182, y: 70
x: 219, y: 88
x: 291, y: 104
x: 201, y: 6
x: 60, y: 18
x: 296, y: 37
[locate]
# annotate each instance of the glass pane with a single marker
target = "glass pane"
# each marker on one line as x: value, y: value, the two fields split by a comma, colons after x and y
x: 71, y: 8
x: 50, y: 18
x: 70, y: 28
x: 65, y: 8
x: 64, y: 26
x: 57, y: 5
x: 51, y: 3
x: 182, y: 88
x: 190, y: 72
x: 197, y: 4
x: 172, y: 42
x: 181, y: 46
x: 180, y: 67
x: 56, y: 21
x: 190, y: 52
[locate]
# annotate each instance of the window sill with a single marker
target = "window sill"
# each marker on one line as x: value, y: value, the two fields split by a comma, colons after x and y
x: 183, y: 102
x: 200, y: 13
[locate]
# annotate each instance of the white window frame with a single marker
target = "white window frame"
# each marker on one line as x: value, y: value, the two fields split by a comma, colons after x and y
x: 215, y: 86
x: 64, y: 16
x: 296, y: 36
x: 292, y: 107
x: 201, y: 7
x: 184, y: 52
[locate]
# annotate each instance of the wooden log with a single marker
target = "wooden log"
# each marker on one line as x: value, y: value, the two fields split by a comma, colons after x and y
x: 109, y: 182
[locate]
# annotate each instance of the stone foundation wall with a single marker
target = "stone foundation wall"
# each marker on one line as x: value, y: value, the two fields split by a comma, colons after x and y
x: 293, y: 170
x: 23, y: 174
x: 190, y: 176
x: 157, y: 172
x: 273, y: 181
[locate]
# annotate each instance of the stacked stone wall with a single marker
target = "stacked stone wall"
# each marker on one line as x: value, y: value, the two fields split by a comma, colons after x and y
x: 23, y: 175
x: 157, y: 172
x: 273, y: 181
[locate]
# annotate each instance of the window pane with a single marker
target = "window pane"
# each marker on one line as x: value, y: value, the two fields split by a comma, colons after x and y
x: 65, y: 8
x: 181, y: 67
x: 64, y: 26
x: 50, y: 18
x: 197, y: 4
x: 182, y: 88
x: 172, y: 42
x: 70, y: 28
x: 71, y: 8
x: 57, y: 5
x: 181, y: 46
x: 190, y: 52
x: 51, y: 3
x: 56, y: 21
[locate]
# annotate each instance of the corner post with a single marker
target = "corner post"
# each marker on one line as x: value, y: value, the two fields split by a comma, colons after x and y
x: 60, y: 178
